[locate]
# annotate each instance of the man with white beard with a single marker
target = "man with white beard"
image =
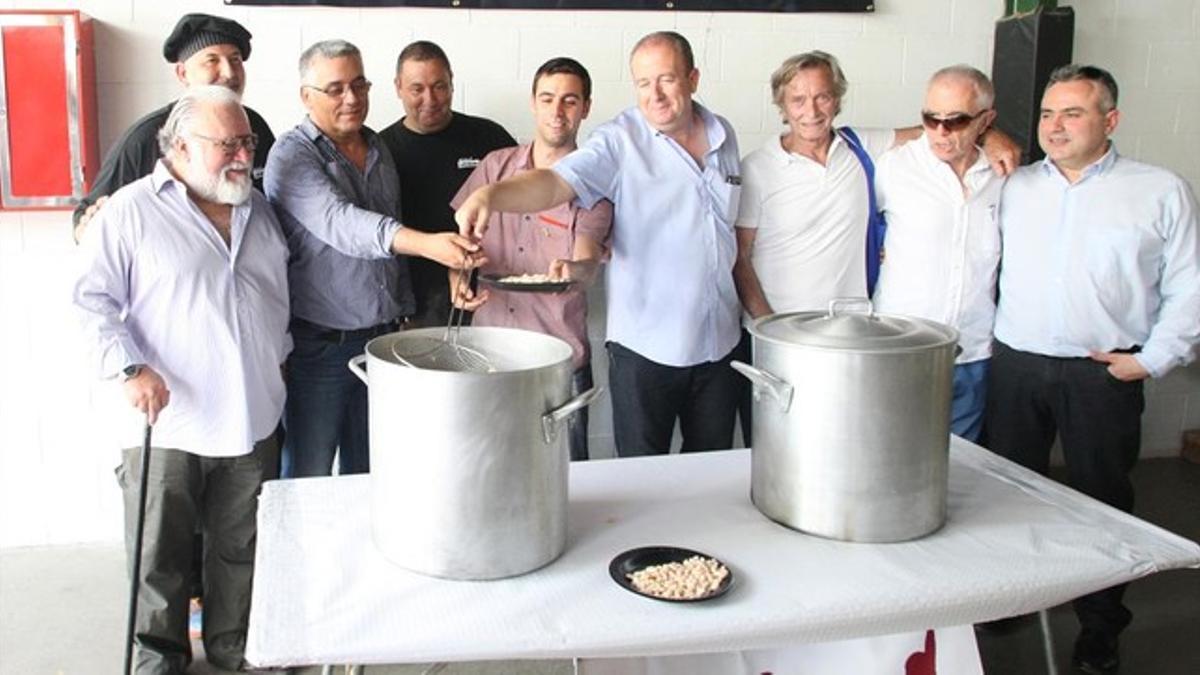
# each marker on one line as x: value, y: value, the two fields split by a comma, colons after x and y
x: 182, y: 294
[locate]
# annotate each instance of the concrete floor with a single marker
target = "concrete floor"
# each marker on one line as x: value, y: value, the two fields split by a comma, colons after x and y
x: 62, y: 609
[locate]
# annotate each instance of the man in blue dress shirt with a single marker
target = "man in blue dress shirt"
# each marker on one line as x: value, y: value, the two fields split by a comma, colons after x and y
x: 1099, y: 289
x: 334, y: 186
x: 671, y: 169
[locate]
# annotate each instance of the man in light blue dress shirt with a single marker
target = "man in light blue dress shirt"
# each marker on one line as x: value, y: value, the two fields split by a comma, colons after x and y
x: 671, y: 169
x: 1099, y: 289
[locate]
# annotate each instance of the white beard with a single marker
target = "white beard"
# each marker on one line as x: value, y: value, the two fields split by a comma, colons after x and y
x: 220, y: 188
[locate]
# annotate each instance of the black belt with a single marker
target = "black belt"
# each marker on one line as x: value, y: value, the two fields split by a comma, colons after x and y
x: 319, y: 332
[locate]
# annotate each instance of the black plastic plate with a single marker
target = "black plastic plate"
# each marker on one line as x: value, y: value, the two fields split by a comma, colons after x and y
x: 639, y: 558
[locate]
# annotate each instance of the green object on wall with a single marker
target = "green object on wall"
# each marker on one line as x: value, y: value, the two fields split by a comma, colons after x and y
x: 1026, y: 6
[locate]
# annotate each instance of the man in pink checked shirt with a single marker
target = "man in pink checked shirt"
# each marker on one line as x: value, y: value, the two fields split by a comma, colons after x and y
x: 566, y: 242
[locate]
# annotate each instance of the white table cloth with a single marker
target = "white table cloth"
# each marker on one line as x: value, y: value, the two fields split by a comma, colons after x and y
x: 1013, y: 542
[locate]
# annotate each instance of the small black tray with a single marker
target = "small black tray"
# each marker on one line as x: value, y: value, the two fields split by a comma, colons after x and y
x: 639, y: 558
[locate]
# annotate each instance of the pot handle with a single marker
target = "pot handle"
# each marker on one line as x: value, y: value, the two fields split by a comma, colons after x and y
x: 356, y: 366
x: 780, y: 390
x: 552, y: 420
x: 844, y: 303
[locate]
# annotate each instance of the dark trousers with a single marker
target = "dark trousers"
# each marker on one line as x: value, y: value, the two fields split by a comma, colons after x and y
x: 649, y: 397
x: 185, y: 492
x: 326, y: 409
x: 577, y: 438
x: 744, y: 352
x: 1098, y: 419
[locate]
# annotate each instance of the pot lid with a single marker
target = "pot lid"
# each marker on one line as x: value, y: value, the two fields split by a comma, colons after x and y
x: 853, y: 324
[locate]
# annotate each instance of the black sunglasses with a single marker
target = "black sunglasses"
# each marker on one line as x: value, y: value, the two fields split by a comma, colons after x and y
x: 952, y: 123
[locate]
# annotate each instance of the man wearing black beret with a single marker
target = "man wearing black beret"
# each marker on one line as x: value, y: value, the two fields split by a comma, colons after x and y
x: 205, y: 49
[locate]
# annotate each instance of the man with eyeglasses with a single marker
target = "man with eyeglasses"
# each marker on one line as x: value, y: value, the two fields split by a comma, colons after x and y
x: 435, y: 148
x: 181, y: 289
x: 1099, y: 290
x: 204, y: 49
x: 334, y: 187
x: 940, y: 197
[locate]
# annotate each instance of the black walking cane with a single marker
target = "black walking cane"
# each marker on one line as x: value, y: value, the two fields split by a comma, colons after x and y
x: 137, y: 551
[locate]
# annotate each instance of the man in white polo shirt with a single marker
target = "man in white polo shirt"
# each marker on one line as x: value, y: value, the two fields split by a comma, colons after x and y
x: 943, y: 245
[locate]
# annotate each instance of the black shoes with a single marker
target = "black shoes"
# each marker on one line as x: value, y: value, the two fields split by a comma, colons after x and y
x: 1095, y: 654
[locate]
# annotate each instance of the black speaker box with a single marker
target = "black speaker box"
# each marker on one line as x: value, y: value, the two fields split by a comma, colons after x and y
x: 1028, y: 48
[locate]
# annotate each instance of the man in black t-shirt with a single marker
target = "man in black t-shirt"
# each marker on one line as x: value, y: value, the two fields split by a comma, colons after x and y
x: 205, y: 49
x: 435, y: 150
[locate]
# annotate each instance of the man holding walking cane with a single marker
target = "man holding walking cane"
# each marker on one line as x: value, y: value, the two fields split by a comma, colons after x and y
x: 182, y: 292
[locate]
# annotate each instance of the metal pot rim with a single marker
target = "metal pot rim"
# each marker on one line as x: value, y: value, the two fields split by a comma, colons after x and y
x: 378, y: 350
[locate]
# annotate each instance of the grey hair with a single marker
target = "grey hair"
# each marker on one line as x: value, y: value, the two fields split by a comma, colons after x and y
x: 326, y: 49
x: 1075, y: 71
x: 187, y: 108
x: 814, y: 59
x: 985, y: 93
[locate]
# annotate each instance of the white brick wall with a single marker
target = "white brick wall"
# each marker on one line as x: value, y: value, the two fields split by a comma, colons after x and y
x: 56, y: 482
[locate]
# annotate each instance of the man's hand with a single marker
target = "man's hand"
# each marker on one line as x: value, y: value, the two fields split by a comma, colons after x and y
x: 452, y: 250
x: 1124, y: 367
x: 87, y: 215
x: 1001, y: 151
x: 461, y: 294
x: 472, y: 217
x: 147, y: 392
x: 582, y: 272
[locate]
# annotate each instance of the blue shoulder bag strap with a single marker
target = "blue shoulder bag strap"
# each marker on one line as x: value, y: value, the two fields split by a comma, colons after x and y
x: 876, y: 225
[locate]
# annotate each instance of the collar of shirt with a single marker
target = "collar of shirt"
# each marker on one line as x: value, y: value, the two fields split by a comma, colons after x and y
x: 321, y: 140
x: 162, y: 179
x: 1096, y: 168
x: 785, y: 156
x: 712, y: 128
x: 975, y: 177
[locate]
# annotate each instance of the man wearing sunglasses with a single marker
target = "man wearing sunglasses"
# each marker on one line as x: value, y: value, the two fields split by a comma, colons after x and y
x: 204, y: 49
x: 182, y: 292
x: 940, y: 197
x: 334, y: 187
x: 1099, y: 290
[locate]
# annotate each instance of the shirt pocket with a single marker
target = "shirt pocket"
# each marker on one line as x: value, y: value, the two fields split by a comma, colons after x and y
x: 726, y: 193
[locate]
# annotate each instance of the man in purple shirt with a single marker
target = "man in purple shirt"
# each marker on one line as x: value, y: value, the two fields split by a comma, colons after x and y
x: 182, y: 291
x: 565, y: 242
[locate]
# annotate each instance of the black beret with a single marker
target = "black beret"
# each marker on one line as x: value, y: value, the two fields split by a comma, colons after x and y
x: 197, y: 31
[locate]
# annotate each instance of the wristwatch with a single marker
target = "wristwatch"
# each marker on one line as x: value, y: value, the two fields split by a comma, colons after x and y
x: 131, y: 372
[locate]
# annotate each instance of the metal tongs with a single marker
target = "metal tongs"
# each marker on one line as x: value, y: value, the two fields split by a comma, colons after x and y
x: 447, y: 353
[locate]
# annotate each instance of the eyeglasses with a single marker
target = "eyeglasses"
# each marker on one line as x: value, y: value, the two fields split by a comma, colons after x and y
x: 360, y: 87
x: 231, y: 145
x: 953, y: 123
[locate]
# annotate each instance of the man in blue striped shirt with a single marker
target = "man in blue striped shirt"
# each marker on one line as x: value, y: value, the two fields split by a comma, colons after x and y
x: 334, y: 187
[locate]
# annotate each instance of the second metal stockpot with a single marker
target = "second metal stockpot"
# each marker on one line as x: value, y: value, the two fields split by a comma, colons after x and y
x: 851, y: 421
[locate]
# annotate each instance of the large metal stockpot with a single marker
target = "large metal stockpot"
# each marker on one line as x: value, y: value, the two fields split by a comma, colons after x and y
x: 469, y: 469
x: 851, y: 420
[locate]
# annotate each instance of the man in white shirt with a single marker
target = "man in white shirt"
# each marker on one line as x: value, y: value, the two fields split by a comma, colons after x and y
x: 1099, y: 289
x: 803, y: 219
x: 943, y: 245
x: 182, y: 292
